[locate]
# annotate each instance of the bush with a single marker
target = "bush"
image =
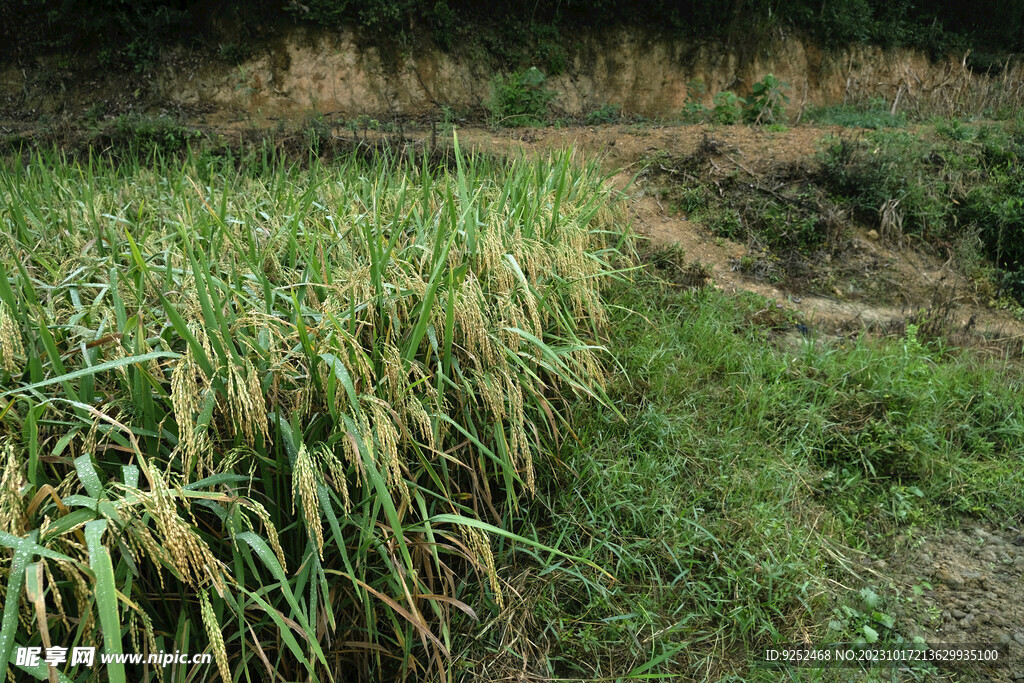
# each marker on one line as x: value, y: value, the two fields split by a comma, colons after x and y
x: 767, y: 101
x: 520, y: 98
x: 147, y: 133
x: 727, y: 108
x: 609, y: 113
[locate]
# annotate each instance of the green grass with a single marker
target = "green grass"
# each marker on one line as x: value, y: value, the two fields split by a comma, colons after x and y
x: 383, y: 418
x: 281, y: 402
x: 874, y: 115
x: 958, y: 187
x: 734, y: 502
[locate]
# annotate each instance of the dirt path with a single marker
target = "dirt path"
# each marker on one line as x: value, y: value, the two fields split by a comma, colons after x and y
x: 914, y: 277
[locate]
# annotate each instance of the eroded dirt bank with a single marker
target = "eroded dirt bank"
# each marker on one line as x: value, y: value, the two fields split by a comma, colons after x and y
x: 336, y: 73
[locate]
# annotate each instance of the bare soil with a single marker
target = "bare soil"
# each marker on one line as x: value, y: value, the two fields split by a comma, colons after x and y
x: 973, y: 581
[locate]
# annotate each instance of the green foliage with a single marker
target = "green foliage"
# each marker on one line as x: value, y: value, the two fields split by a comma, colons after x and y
x: 520, y: 98
x: 955, y: 129
x: 875, y: 114
x: 603, y: 115
x: 131, y: 35
x: 144, y: 134
x: 886, y: 165
x: 767, y: 101
x: 766, y: 104
x: 969, y: 181
x: 747, y: 545
x: 694, y: 110
x: 317, y: 132
x: 727, y: 108
x: 252, y: 409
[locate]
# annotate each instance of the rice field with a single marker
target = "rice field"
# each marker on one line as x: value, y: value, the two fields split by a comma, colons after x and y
x: 278, y: 412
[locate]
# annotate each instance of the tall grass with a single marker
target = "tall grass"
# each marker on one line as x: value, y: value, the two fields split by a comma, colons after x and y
x: 737, y: 502
x: 278, y: 414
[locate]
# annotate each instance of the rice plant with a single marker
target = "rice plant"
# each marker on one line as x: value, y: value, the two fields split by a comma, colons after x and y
x: 277, y: 414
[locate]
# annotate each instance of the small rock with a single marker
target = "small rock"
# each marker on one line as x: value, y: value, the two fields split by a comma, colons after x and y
x: 1019, y: 541
x: 1003, y: 639
x: 881, y: 564
x: 926, y: 558
x: 958, y: 614
x: 1019, y: 637
x: 987, y: 556
x: 999, y: 620
x: 873, y: 235
x: 949, y: 578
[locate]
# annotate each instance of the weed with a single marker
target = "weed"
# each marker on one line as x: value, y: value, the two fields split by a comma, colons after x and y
x: 694, y: 110
x: 316, y: 132
x: 875, y: 114
x: 605, y: 114
x: 727, y: 108
x: 145, y: 134
x: 520, y: 98
x: 955, y: 129
x: 706, y: 543
x: 692, y: 199
x: 234, y: 53
x: 767, y: 101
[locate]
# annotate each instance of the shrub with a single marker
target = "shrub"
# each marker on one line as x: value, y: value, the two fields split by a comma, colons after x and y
x: 727, y: 108
x: 768, y: 100
x: 146, y: 133
x: 609, y: 113
x: 520, y: 98
x: 316, y: 132
x: 694, y: 110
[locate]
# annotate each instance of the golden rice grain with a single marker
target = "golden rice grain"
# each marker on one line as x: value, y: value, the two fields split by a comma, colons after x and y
x: 478, y: 543
x: 305, y: 479
x: 11, y: 346
x: 213, y: 632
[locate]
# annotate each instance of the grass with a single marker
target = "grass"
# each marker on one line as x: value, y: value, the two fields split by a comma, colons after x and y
x: 267, y: 411
x: 393, y: 418
x: 735, y: 501
x: 876, y: 114
x: 959, y: 186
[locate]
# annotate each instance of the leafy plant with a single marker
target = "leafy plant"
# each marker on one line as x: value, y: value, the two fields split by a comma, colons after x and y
x: 727, y: 109
x: 316, y: 132
x: 520, y: 98
x: 145, y: 133
x: 768, y: 100
x: 694, y: 110
x: 603, y: 115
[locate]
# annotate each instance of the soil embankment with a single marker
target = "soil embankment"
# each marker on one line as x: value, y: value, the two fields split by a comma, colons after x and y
x: 337, y: 73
